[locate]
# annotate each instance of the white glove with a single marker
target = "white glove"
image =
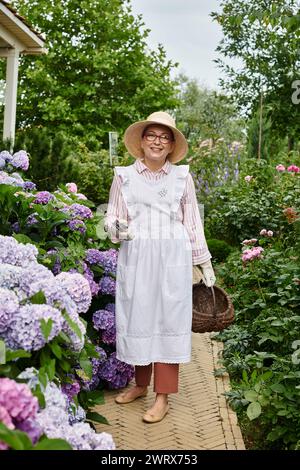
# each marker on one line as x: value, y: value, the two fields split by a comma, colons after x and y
x: 119, y: 229
x: 209, y: 277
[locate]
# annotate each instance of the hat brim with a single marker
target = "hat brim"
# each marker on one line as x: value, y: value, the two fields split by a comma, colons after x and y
x: 133, y: 138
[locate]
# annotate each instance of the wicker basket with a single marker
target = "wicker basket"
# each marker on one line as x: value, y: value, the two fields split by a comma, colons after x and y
x: 212, y: 309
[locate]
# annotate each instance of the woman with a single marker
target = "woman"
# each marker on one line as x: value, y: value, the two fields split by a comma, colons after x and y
x: 153, y: 212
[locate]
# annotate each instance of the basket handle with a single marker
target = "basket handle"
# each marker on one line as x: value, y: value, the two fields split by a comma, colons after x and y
x: 214, y: 298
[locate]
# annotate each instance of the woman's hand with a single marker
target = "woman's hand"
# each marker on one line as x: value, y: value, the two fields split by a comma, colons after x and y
x: 119, y: 229
x: 209, y: 277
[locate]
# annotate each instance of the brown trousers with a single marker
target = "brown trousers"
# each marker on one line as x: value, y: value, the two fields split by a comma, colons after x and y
x: 165, y: 377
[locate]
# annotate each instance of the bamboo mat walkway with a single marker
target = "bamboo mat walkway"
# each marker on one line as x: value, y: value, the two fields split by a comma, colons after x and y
x: 199, y: 417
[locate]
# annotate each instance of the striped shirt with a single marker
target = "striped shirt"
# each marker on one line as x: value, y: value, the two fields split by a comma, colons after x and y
x: 188, y: 211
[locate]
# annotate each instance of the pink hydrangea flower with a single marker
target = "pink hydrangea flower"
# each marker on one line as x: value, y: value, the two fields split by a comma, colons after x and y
x: 263, y: 232
x: 252, y: 253
x: 71, y: 187
x: 280, y: 167
x: 270, y: 233
x: 293, y: 169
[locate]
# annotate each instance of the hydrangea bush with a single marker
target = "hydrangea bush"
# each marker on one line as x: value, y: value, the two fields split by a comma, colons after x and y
x: 21, y: 278
x: 53, y: 268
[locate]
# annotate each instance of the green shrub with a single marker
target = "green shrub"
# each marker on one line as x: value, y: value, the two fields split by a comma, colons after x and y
x: 218, y: 249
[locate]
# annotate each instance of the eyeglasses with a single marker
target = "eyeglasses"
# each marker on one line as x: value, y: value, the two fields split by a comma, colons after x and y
x: 163, y: 138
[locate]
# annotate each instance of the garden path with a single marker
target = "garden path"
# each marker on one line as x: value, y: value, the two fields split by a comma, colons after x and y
x: 199, y: 417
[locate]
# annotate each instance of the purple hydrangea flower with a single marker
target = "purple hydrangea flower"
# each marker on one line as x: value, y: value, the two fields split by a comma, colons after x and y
x: 29, y: 186
x: 16, y: 253
x: 54, y: 420
x: 116, y: 373
x: 43, y: 197
x: 77, y: 287
x: 76, y: 414
x: 56, y: 269
x: 80, y: 211
x: 20, y: 160
x: 2, y: 162
x: 71, y: 389
x: 107, y: 259
x: 58, y: 297
x: 88, y: 274
x: 93, y: 256
x: 107, y: 285
x: 93, y: 383
x: 32, y: 428
x: 104, y: 320
x: 10, y: 180
x: 31, y: 219
x: 16, y: 227
x: 25, y: 330
x: 81, y: 196
x: 9, y: 305
x: 77, y: 225
x: 5, y: 155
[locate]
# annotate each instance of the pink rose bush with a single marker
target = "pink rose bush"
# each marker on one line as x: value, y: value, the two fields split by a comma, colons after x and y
x: 291, y: 169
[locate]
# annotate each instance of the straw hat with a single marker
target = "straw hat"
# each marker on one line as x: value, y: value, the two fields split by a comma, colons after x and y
x: 133, y: 136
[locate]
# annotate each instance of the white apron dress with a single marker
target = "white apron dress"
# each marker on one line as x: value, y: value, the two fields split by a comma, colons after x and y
x: 154, y: 272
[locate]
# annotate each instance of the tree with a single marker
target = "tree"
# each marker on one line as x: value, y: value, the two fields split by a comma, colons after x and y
x: 207, y: 114
x: 98, y: 75
x: 264, y: 34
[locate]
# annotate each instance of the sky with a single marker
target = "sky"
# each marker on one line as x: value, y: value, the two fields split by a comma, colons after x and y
x: 188, y: 34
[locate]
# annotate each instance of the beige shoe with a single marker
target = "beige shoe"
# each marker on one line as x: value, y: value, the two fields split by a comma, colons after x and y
x: 151, y: 418
x: 123, y: 398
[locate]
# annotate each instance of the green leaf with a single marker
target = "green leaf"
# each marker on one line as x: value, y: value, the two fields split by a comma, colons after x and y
x: 43, y: 377
x: 52, y: 444
x: 2, y: 352
x: 15, y: 439
x: 46, y: 327
x: 278, y: 388
x: 21, y: 238
x: 50, y: 368
x: 253, y: 410
x: 56, y: 349
x: 38, y: 298
x: 250, y: 395
x: 95, y: 397
x: 282, y: 412
x: 86, y: 365
x: 72, y: 324
x: 12, y: 355
x: 37, y: 392
x: 64, y: 337
x: 93, y: 416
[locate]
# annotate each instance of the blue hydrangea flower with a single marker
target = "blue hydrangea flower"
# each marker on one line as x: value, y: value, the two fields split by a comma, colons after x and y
x: 9, y: 305
x: 20, y: 160
x: 117, y: 374
x: 107, y: 285
x: 25, y: 331
x: 104, y: 320
x: 77, y: 287
x: 106, y: 259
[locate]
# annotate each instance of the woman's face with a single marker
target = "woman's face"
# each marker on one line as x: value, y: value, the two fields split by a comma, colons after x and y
x: 157, y: 142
